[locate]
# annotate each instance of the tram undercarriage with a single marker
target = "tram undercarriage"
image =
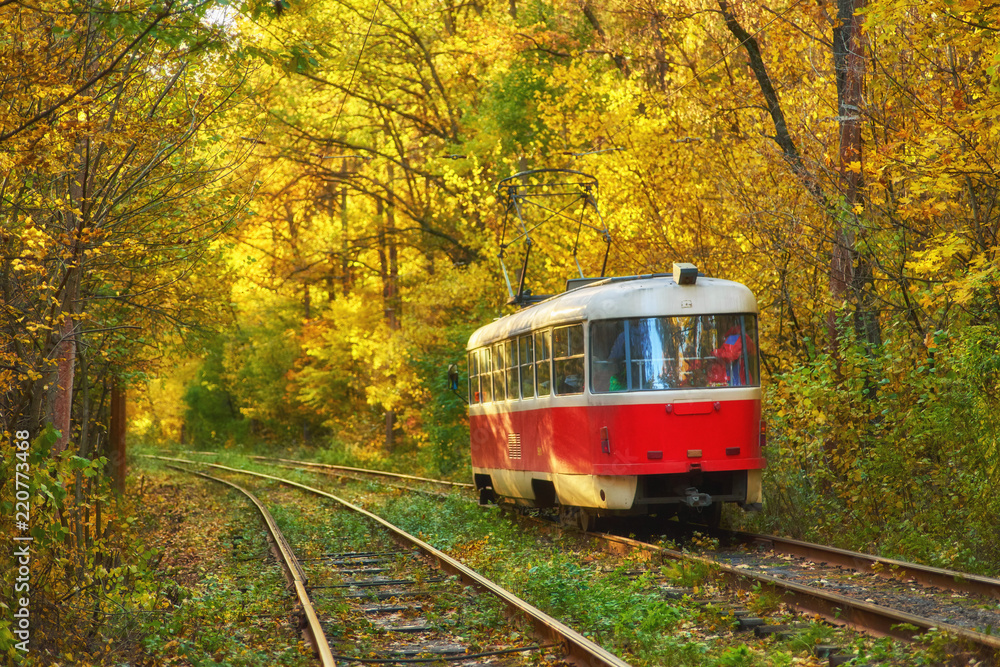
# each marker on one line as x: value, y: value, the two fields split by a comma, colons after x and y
x: 583, y: 497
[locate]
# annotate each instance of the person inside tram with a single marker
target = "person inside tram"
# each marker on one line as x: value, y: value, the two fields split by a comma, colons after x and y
x: 608, y: 356
x: 729, y: 368
x: 613, y: 343
x: 569, y: 375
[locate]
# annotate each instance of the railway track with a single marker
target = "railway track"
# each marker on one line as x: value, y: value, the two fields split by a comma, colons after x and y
x: 850, y: 589
x: 387, y: 600
x: 952, y: 580
x: 292, y: 569
x: 971, y: 584
x: 373, y: 473
x: 873, y: 594
x: 809, y: 587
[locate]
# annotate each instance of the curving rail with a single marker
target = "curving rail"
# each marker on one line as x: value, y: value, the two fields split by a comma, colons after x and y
x: 290, y: 566
x: 578, y: 648
x: 887, y: 567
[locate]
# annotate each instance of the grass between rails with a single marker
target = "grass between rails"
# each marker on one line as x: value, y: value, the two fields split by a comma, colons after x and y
x: 317, y: 527
x: 187, y: 580
x: 618, y: 602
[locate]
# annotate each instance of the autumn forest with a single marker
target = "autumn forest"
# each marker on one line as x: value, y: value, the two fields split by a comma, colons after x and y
x: 274, y: 224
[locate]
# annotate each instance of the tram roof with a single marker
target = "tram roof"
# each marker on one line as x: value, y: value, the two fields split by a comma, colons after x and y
x: 617, y: 298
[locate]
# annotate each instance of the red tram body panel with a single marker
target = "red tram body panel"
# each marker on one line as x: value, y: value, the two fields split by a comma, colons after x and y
x: 627, y: 395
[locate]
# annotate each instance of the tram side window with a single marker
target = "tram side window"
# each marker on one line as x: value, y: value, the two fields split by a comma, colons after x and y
x: 543, y: 354
x: 474, y: 394
x: 527, y: 358
x: 485, y: 374
x: 608, y: 343
x: 499, y: 372
x: 567, y: 359
x: 513, y: 383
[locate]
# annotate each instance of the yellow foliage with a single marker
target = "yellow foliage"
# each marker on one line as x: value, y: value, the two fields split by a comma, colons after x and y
x: 939, y: 251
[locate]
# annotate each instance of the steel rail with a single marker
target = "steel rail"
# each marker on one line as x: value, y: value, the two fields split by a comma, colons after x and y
x: 293, y: 570
x: 579, y: 649
x: 462, y: 485
x: 887, y: 567
x: 837, y: 609
x: 361, y: 478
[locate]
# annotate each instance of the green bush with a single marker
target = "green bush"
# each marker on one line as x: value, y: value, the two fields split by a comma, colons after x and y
x: 874, y: 451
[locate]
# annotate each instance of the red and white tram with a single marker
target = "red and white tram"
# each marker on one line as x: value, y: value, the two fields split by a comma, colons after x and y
x: 633, y: 395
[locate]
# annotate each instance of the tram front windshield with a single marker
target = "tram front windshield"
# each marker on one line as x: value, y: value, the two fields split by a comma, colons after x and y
x: 659, y: 353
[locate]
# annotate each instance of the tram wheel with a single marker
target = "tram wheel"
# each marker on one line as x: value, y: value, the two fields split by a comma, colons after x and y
x: 576, y: 517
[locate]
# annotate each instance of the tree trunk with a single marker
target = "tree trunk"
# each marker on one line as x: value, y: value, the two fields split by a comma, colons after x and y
x: 390, y: 435
x: 850, y: 65
x: 61, y: 392
x: 345, y: 264
x: 389, y: 260
x: 116, y: 444
x: 846, y: 282
x: 782, y: 136
x: 389, y: 268
x: 850, y: 269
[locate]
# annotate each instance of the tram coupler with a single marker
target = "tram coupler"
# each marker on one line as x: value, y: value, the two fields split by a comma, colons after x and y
x: 694, y: 499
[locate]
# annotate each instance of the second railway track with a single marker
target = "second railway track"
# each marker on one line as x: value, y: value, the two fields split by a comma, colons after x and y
x: 879, y: 596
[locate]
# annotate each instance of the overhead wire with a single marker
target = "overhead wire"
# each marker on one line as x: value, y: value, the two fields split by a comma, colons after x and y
x: 357, y: 63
